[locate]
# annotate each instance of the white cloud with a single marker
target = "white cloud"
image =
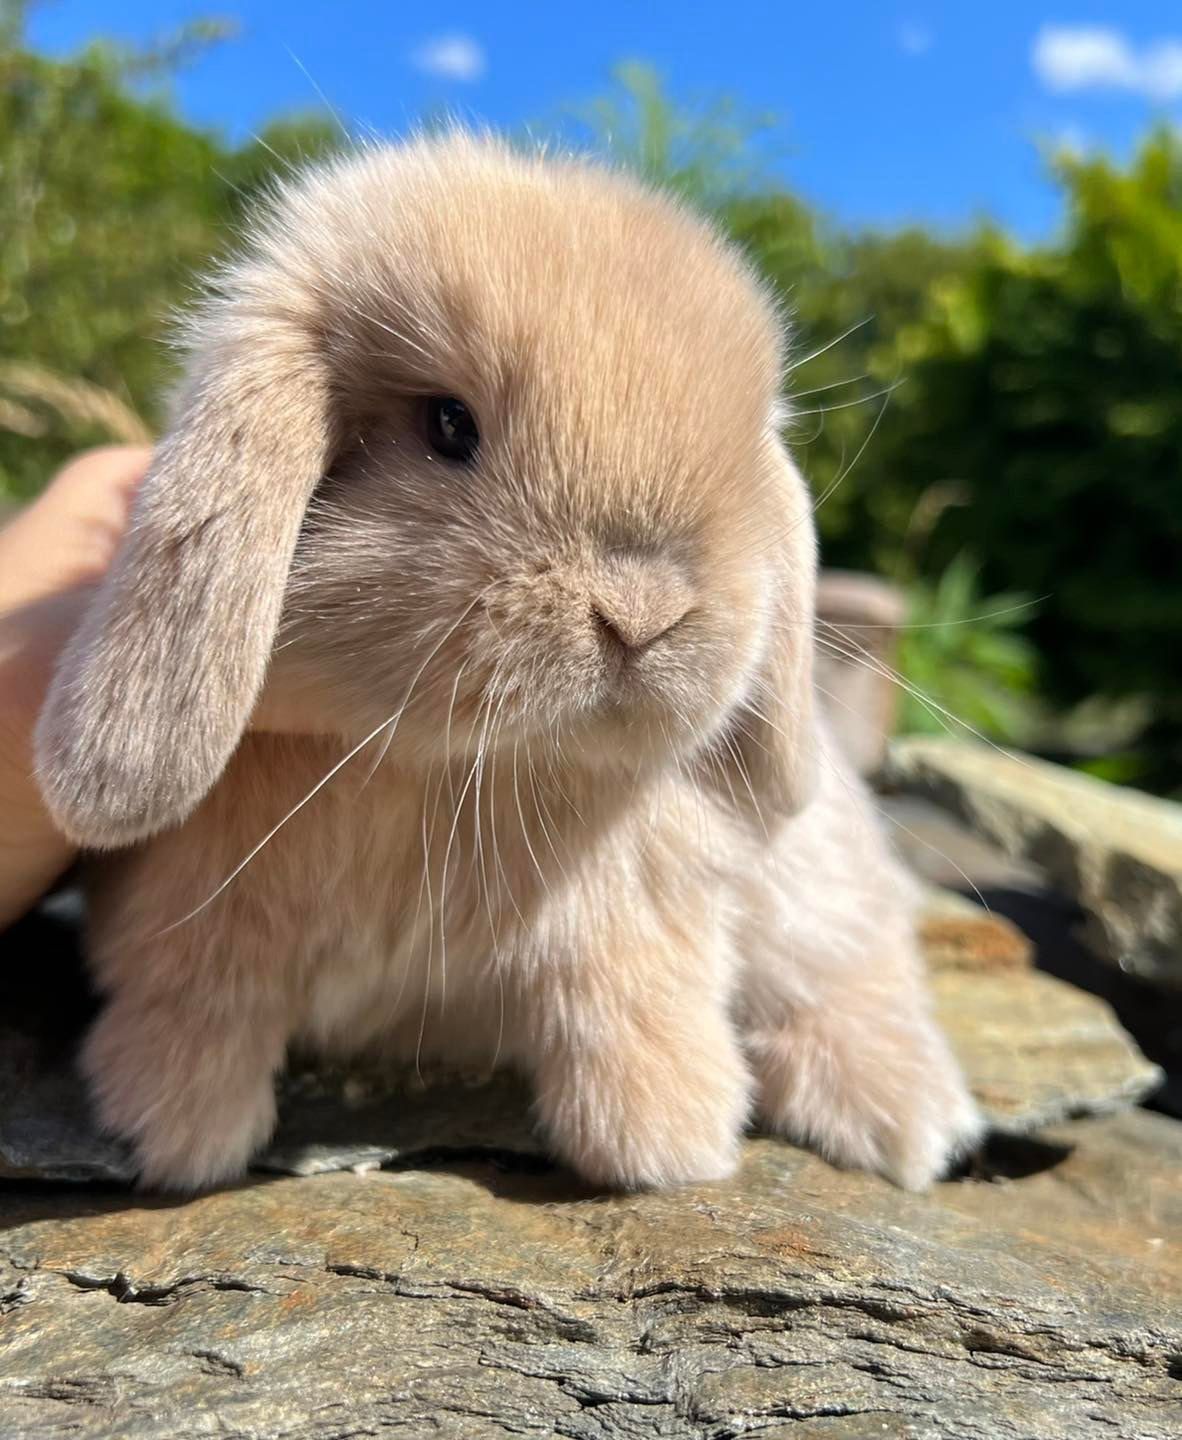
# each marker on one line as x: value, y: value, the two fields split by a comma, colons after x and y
x: 915, y: 39
x: 451, y: 57
x: 1094, y: 57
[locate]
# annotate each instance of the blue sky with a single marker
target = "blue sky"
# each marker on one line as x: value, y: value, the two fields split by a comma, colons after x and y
x: 886, y: 112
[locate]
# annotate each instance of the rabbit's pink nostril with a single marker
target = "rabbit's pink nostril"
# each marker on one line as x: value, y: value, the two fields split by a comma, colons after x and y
x: 635, y: 600
x: 637, y: 630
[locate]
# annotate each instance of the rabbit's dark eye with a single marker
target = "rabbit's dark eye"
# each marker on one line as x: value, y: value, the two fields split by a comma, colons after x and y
x: 451, y: 429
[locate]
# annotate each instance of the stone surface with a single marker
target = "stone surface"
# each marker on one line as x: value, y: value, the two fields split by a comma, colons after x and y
x: 473, y: 1300
x: 470, y: 1289
x: 942, y: 850
x: 961, y: 934
x: 1118, y: 852
x: 1036, y: 1050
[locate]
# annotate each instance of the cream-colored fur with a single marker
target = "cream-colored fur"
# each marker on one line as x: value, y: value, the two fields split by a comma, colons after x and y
x: 597, y: 830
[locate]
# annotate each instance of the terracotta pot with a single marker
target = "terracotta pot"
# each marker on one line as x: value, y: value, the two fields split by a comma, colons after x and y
x: 859, y: 616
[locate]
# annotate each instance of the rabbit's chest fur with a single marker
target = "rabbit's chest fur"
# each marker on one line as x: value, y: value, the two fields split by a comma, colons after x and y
x: 410, y: 912
x: 553, y: 930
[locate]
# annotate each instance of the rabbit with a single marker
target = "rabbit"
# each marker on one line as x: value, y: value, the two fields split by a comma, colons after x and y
x: 451, y: 698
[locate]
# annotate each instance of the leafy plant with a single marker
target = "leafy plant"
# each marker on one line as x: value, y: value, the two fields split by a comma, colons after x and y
x: 965, y: 664
x: 112, y: 204
x: 708, y: 153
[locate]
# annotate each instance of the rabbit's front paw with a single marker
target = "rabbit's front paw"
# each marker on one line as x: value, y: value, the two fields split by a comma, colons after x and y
x: 638, y: 1117
x: 194, y: 1112
x: 889, y: 1098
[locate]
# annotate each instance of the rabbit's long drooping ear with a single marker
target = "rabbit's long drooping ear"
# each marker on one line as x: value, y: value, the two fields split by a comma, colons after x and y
x: 770, y: 754
x: 155, y: 690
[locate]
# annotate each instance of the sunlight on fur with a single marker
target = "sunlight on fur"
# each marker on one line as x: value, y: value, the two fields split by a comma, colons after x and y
x: 451, y: 697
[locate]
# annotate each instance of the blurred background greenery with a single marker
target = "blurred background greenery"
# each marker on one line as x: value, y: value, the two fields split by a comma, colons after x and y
x: 996, y: 427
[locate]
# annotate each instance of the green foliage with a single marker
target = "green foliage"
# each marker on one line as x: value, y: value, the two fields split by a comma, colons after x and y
x: 111, y: 206
x: 949, y: 396
x: 967, y: 666
x: 707, y: 155
x: 1044, y: 385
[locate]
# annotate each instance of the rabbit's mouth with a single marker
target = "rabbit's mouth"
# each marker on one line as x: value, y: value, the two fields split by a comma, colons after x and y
x: 631, y: 709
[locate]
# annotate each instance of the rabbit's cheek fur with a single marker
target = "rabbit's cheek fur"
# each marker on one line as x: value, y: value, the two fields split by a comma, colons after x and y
x: 597, y: 832
x: 573, y: 643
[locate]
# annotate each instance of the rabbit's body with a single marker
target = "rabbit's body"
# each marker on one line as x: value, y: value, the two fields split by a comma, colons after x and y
x: 477, y: 458
x: 662, y: 941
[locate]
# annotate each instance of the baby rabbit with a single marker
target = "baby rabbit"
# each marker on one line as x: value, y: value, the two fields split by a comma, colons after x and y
x: 474, y: 488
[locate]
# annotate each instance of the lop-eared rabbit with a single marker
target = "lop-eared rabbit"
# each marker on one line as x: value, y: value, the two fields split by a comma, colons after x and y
x: 473, y: 578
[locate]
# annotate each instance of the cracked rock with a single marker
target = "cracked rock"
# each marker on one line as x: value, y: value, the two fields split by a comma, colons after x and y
x: 470, y: 1289
x: 1116, y: 851
x: 1036, y: 1302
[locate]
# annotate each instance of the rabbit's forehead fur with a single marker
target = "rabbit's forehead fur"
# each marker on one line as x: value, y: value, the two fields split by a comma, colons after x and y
x: 629, y: 334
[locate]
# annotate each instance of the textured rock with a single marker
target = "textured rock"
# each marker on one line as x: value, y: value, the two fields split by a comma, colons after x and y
x: 472, y: 1290
x: 1036, y: 1050
x: 1118, y: 852
x: 960, y: 934
x: 476, y: 1301
x: 942, y: 850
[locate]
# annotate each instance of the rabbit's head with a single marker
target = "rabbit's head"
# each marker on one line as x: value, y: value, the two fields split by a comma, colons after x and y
x: 480, y: 445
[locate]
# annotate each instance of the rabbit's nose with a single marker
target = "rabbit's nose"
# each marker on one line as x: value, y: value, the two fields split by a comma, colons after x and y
x: 635, y: 603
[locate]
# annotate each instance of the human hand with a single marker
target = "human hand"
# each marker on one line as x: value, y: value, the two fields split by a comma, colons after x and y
x: 52, y: 554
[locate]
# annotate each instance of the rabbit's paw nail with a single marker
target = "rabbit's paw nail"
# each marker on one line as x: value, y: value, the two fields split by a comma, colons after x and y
x: 637, y: 1134
x: 192, y: 1125
x: 894, y: 1104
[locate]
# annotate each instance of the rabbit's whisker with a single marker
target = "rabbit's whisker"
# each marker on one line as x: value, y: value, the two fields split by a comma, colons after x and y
x: 719, y: 770
x: 494, y: 802
x: 844, y: 473
x: 877, y: 667
x: 457, y: 808
x: 391, y: 720
x: 484, y: 709
x: 428, y: 844
x: 447, y: 750
x: 493, y: 926
x: 824, y: 349
x: 746, y: 779
x: 479, y: 849
x: 893, y: 820
x: 849, y: 404
x: 524, y: 827
x: 925, y: 624
x: 821, y: 389
x: 859, y: 655
x: 542, y: 811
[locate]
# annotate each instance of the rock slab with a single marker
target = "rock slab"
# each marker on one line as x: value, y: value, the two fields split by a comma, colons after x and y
x: 470, y: 1289
x: 1116, y: 851
x: 477, y: 1300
